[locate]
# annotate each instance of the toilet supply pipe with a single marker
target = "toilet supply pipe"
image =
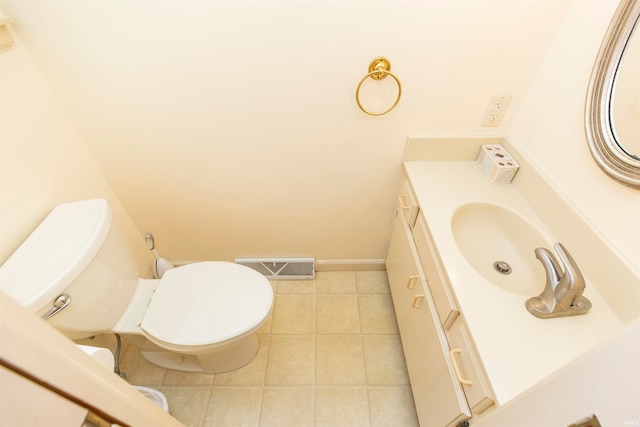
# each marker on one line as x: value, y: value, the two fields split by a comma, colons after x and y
x: 116, y: 358
x: 160, y: 265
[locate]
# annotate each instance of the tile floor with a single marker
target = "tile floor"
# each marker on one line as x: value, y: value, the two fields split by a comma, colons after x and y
x: 330, y: 355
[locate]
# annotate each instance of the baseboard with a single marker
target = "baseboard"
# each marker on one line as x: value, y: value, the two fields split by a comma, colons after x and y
x: 350, y: 265
x: 330, y: 264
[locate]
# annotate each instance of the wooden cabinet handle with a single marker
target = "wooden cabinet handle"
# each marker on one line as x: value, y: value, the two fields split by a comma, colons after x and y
x: 411, y: 283
x: 417, y: 301
x: 401, y: 201
x: 452, y: 353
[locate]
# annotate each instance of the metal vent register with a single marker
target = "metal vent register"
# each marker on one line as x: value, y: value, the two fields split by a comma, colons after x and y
x: 281, y: 268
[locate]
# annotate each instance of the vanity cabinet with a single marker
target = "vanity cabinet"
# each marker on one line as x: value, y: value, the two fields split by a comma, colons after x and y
x: 446, y: 376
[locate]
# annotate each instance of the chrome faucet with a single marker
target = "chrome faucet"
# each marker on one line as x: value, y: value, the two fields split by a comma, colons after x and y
x: 562, y: 294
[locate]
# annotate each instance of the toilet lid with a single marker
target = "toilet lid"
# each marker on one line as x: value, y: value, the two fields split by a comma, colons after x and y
x: 206, y: 303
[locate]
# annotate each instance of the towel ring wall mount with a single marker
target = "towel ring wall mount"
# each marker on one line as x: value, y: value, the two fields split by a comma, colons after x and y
x: 379, y: 68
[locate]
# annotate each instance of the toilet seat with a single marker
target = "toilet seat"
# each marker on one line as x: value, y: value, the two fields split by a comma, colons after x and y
x: 207, y: 303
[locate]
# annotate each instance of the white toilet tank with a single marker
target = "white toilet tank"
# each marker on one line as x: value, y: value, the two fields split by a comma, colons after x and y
x: 78, y: 250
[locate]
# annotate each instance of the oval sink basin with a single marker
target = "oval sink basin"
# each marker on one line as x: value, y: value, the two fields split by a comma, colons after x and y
x: 500, y: 245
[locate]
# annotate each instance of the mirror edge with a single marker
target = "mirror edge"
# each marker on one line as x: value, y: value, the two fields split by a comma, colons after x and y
x: 604, y: 148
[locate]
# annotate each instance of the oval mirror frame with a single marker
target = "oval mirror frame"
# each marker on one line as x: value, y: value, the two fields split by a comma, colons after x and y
x: 605, y: 149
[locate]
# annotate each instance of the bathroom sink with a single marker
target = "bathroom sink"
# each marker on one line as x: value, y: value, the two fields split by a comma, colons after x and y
x: 499, y: 244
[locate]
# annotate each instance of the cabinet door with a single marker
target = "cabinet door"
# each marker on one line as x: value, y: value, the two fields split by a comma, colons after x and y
x: 468, y: 368
x: 422, y: 347
x: 440, y: 399
x: 402, y: 269
x: 438, y: 408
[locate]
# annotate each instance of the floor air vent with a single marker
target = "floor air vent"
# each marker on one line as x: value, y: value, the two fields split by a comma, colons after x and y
x: 281, y: 268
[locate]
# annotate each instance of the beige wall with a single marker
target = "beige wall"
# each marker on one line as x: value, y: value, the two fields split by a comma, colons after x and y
x: 43, y: 159
x: 549, y: 129
x: 231, y: 129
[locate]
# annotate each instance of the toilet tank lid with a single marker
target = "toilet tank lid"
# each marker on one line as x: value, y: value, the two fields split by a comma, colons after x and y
x: 56, y: 252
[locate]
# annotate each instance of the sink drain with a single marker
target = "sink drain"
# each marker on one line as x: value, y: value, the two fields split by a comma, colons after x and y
x: 502, y: 267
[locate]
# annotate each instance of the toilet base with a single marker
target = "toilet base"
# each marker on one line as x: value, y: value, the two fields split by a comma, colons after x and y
x: 225, y: 359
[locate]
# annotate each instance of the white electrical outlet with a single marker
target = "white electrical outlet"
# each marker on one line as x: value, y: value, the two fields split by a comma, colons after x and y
x: 496, y: 110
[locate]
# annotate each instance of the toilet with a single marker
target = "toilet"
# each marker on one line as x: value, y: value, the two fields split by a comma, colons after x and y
x: 200, y: 317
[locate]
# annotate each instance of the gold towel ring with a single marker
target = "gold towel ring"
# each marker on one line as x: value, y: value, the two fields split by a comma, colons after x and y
x: 379, y: 68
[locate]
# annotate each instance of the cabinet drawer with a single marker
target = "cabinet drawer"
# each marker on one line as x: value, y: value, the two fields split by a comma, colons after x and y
x: 405, y: 279
x: 468, y: 368
x: 408, y: 203
x: 445, y: 303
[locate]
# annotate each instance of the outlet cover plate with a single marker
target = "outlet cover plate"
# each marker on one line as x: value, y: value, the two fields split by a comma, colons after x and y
x: 496, y: 110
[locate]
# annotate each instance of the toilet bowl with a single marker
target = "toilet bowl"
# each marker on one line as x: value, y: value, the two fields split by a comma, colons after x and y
x: 201, y: 317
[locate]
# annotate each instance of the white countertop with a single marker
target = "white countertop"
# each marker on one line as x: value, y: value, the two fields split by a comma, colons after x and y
x: 517, y: 349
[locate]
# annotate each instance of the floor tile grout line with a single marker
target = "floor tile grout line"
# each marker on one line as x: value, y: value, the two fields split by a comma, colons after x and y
x: 262, y: 389
x: 364, y: 360
x: 206, y: 407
